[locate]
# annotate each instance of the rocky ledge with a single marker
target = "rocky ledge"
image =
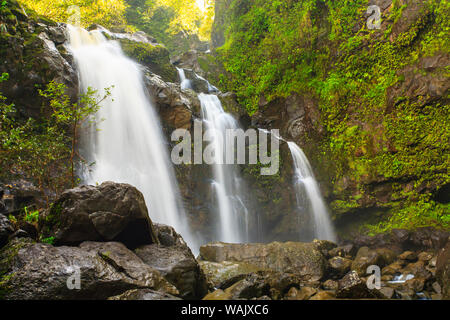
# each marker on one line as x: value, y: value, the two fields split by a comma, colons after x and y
x: 99, y: 243
x: 103, y: 236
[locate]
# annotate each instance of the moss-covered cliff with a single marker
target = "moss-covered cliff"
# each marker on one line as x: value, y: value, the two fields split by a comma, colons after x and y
x: 369, y: 106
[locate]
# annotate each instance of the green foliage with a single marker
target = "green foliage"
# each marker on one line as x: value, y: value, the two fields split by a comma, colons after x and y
x: 109, y: 13
x: 31, y: 216
x: 49, y: 240
x: 44, y: 150
x: 323, y: 49
x: 175, y: 23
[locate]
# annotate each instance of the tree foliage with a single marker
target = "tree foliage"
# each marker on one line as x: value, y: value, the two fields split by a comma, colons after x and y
x: 109, y: 13
x: 172, y: 22
x: 175, y: 23
x: 44, y: 150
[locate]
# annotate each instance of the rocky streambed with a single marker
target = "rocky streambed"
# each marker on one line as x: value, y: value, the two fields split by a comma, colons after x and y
x: 104, y: 246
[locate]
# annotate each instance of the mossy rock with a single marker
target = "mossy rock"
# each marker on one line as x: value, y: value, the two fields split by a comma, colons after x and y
x: 155, y: 57
x: 7, y: 256
x: 219, y: 273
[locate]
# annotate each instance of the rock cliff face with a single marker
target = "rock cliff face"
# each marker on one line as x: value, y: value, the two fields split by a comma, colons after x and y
x: 33, y: 53
x: 374, y: 157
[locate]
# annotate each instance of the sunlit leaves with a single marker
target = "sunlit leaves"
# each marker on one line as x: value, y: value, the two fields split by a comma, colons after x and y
x: 109, y: 13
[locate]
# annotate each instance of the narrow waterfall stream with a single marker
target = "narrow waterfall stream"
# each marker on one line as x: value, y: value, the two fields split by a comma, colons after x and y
x: 185, y: 83
x: 129, y: 146
x: 308, y: 194
x: 232, y: 212
x: 232, y: 215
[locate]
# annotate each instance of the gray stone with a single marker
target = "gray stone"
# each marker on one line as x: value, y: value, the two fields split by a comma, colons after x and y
x: 41, y: 271
x: 109, y: 212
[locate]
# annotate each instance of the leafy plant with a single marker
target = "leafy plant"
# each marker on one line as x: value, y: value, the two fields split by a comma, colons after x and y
x: 44, y: 150
x: 49, y: 240
x: 31, y: 216
x: 72, y: 115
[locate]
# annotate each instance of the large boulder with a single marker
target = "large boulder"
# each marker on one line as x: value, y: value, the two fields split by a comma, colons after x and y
x: 353, y: 287
x: 109, y: 212
x: 256, y: 285
x: 367, y: 257
x: 188, y: 60
x: 198, y: 83
x: 220, y: 274
x: 298, y: 258
x: 177, y: 264
x: 401, y: 240
x: 443, y: 271
x: 35, y: 271
x: 339, y: 266
x: 6, y: 229
x: 176, y: 107
x: 144, y: 295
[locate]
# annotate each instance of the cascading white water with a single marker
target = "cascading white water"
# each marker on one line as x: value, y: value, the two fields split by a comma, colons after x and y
x: 307, y: 186
x: 129, y: 147
x: 233, y: 214
x: 185, y: 82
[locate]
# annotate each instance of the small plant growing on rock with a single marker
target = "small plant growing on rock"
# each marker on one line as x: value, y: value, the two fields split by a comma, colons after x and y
x: 31, y: 216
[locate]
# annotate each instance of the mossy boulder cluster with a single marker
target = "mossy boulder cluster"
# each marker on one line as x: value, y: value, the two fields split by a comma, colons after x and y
x: 113, y: 250
x: 80, y: 251
x: 322, y: 270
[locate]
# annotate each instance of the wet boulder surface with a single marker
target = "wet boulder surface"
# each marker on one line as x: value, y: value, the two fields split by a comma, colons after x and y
x: 36, y: 271
x: 175, y: 261
x: 109, y: 212
x: 348, y: 271
x: 104, y: 245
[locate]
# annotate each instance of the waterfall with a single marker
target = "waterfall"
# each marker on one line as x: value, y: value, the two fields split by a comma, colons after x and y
x: 185, y: 82
x: 233, y: 216
x: 129, y: 146
x: 307, y: 188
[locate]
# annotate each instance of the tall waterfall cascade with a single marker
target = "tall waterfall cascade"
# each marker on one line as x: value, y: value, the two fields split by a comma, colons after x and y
x: 307, y: 190
x: 227, y: 184
x: 129, y: 146
x: 232, y: 215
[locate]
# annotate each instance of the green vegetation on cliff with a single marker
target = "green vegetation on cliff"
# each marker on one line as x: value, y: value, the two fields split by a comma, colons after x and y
x: 178, y: 24
x: 382, y: 94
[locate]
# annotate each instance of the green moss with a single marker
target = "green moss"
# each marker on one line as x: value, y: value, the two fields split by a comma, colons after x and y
x: 48, y: 222
x: 323, y: 49
x: 420, y: 213
x: 7, y: 256
x: 4, y: 287
x: 156, y: 57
